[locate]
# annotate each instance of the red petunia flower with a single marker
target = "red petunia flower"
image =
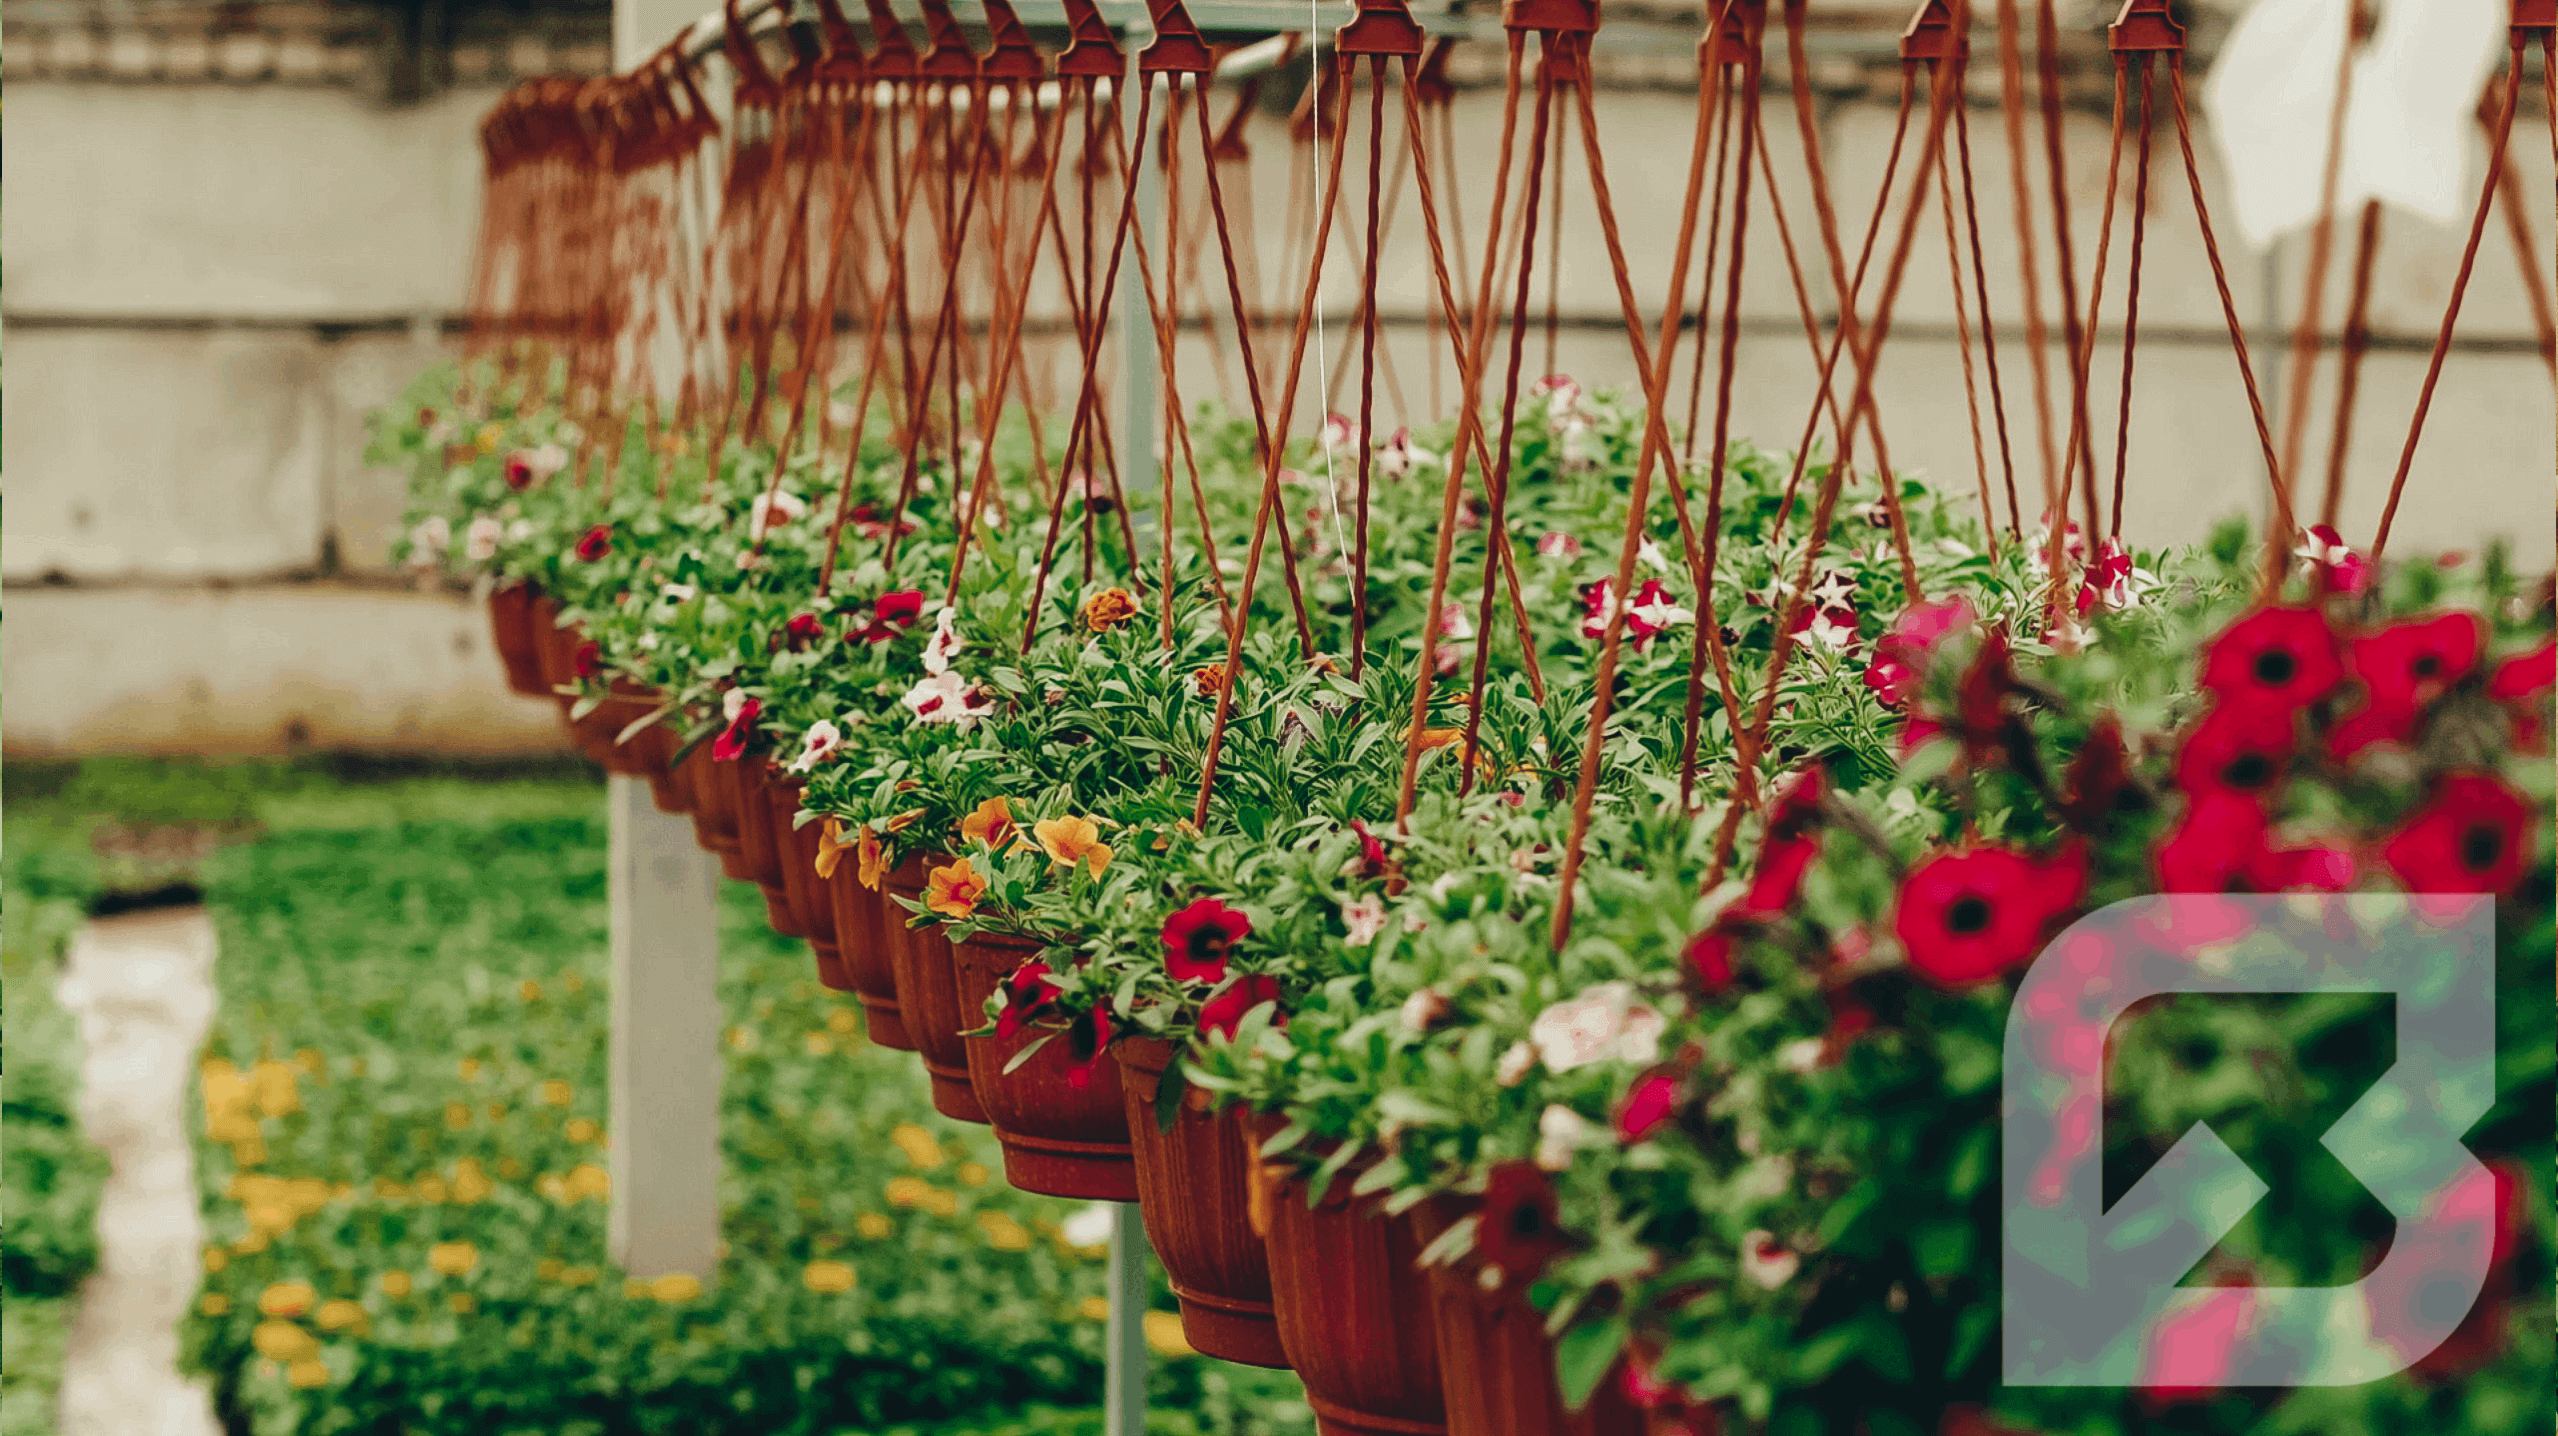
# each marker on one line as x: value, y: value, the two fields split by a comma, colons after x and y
x: 893, y: 614
x: 2236, y: 748
x: 588, y: 661
x: 1709, y: 956
x: 1517, y: 1231
x: 867, y: 522
x: 1646, y: 1106
x: 1980, y: 700
x: 2330, y: 563
x: 2468, y: 839
x: 595, y: 543
x: 2214, y: 846
x: 2280, y: 657
x: 1371, y: 862
x: 1967, y: 916
x: 2403, y: 668
x: 1197, y: 938
x: 2523, y: 684
x: 1224, y: 1012
x: 519, y: 471
x: 1028, y: 991
x: 730, y: 745
x: 2098, y: 777
x: 1088, y: 1060
x: 800, y: 631
x: 1901, y: 654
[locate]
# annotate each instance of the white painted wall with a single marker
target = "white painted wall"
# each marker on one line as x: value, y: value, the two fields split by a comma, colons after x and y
x: 209, y: 285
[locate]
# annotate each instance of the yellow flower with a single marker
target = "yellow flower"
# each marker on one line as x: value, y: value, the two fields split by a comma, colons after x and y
x: 275, y: 1087
x: 973, y: 1174
x: 1071, y: 841
x: 871, y: 857
x: 215, y: 1259
x: 457, y: 1115
x: 340, y: 1315
x: 676, y: 1287
x: 842, y: 1020
x: 431, y: 1189
x: 953, y: 891
x: 873, y: 1225
x: 397, y: 1283
x: 1093, y: 1308
x: 470, y: 1184
x: 556, y: 1093
x: 227, y: 1113
x: 918, y: 1145
x: 388, y: 1190
x: 453, y: 1258
x: 311, y: 1061
x: 577, y: 1276
x: 468, y: 1069
x: 818, y: 1044
x: 991, y: 824
x: 827, y: 1276
x: 214, y: 1304
x: 1107, y: 610
x: 1164, y: 1335
x: 491, y: 435
x: 549, y: 1269
x: 286, y: 1299
x: 830, y: 849
x: 529, y: 990
x: 1209, y: 681
x: 908, y: 1191
x: 589, y: 1180
x: 582, y: 1130
x: 305, y: 1375
x: 462, y: 1303
x: 1003, y: 1233
x: 282, y: 1341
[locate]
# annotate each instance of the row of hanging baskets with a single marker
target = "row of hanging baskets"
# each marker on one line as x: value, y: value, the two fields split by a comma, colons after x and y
x: 1549, y: 961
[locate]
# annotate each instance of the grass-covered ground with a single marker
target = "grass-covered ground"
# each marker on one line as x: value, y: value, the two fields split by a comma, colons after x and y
x: 403, y: 1150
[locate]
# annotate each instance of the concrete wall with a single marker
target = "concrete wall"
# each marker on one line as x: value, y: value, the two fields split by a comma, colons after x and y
x: 209, y: 286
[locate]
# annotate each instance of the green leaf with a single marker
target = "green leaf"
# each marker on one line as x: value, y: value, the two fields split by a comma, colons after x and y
x: 1583, y: 1355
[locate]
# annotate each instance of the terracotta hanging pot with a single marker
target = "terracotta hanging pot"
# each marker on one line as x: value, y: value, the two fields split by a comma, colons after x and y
x: 1495, y: 1359
x: 1059, y: 1139
x: 518, y: 644
x: 1194, y: 1185
x: 810, y: 904
x: 755, y: 844
x: 868, y: 965
x: 928, y: 996
x: 715, y: 812
x: 648, y: 749
x: 1353, y: 1307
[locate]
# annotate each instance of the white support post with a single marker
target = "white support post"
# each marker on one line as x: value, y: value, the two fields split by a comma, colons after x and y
x: 665, y: 1061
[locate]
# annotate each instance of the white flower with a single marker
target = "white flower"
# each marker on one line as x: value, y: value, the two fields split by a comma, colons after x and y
x: 1834, y: 589
x: 1558, y: 544
x: 945, y: 698
x: 1561, y: 395
x: 1401, y: 456
x: 1580, y: 443
x: 732, y: 703
x: 773, y: 510
x: 648, y: 640
x: 1561, y: 1132
x: 1365, y: 916
x: 519, y: 531
x: 480, y: 544
x: 1832, y: 628
x: 818, y: 745
x: 1423, y: 1010
x: 1766, y: 1261
x: 1339, y: 432
x: 1455, y: 623
x: 1089, y: 1227
x: 944, y: 645
x: 1650, y: 556
x: 1657, y: 609
x: 1605, y: 1022
x: 1514, y: 1064
x: 428, y: 541
x: 1800, y: 1056
x: 679, y: 593
x: 547, y: 460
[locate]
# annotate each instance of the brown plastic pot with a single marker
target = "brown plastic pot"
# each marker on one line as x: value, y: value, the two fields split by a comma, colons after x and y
x: 1495, y: 1359
x: 1194, y: 1187
x: 715, y: 811
x: 868, y: 965
x: 762, y: 856
x: 511, y: 629
x: 928, y: 997
x: 810, y: 904
x: 1059, y: 1140
x: 1353, y: 1308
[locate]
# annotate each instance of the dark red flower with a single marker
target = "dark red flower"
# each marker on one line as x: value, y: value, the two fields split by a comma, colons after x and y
x: 867, y: 522
x: 1224, y: 1012
x: 2214, y: 847
x: 893, y: 614
x: 2280, y: 657
x: 2331, y: 565
x: 2236, y: 748
x: 595, y: 543
x: 2523, y: 684
x: 519, y: 471
x: 1517, y: 1230
x: 2098, y: 777
x: 1980, y: 700
x: 2403, y: 668
x: 588, y: 660
x: 730, y: 745
x: 1647, y: 1105
x: 2309, y: 868
x: 1028, y: 991
x: 1969, y: 915
x: 1709, y: 956
x: 1371, y: 862
x: 1088, y: 1060
x: 2468, y: 839
x: 1197, y: 938
x: 1901, y: 654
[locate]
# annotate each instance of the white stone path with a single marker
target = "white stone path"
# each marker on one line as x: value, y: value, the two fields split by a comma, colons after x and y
x: 141, y: 987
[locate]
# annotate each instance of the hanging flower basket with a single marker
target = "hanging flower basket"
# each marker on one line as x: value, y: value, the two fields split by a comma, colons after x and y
x: 865, y: 935
x: 1059, y: 1114
x: 1195, y: 1185
x: 928, y: 997
x: 518, y: 643
x: 812, y: 907
x: 1496, y: 1361
x: 714, y: 810
x: 756, y: 843
x: 1353, y: 1306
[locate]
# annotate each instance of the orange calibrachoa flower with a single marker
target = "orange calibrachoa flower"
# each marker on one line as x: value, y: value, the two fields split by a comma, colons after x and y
x: 453, y: 1258
x: 830, y: 849
x: 871, y: 856
x: 991, y: 824
x: 1207, y: 681
x: 1107, y: 610
x: 953, y: 891
x: 1071, y: 840
x: 828, y: 1276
